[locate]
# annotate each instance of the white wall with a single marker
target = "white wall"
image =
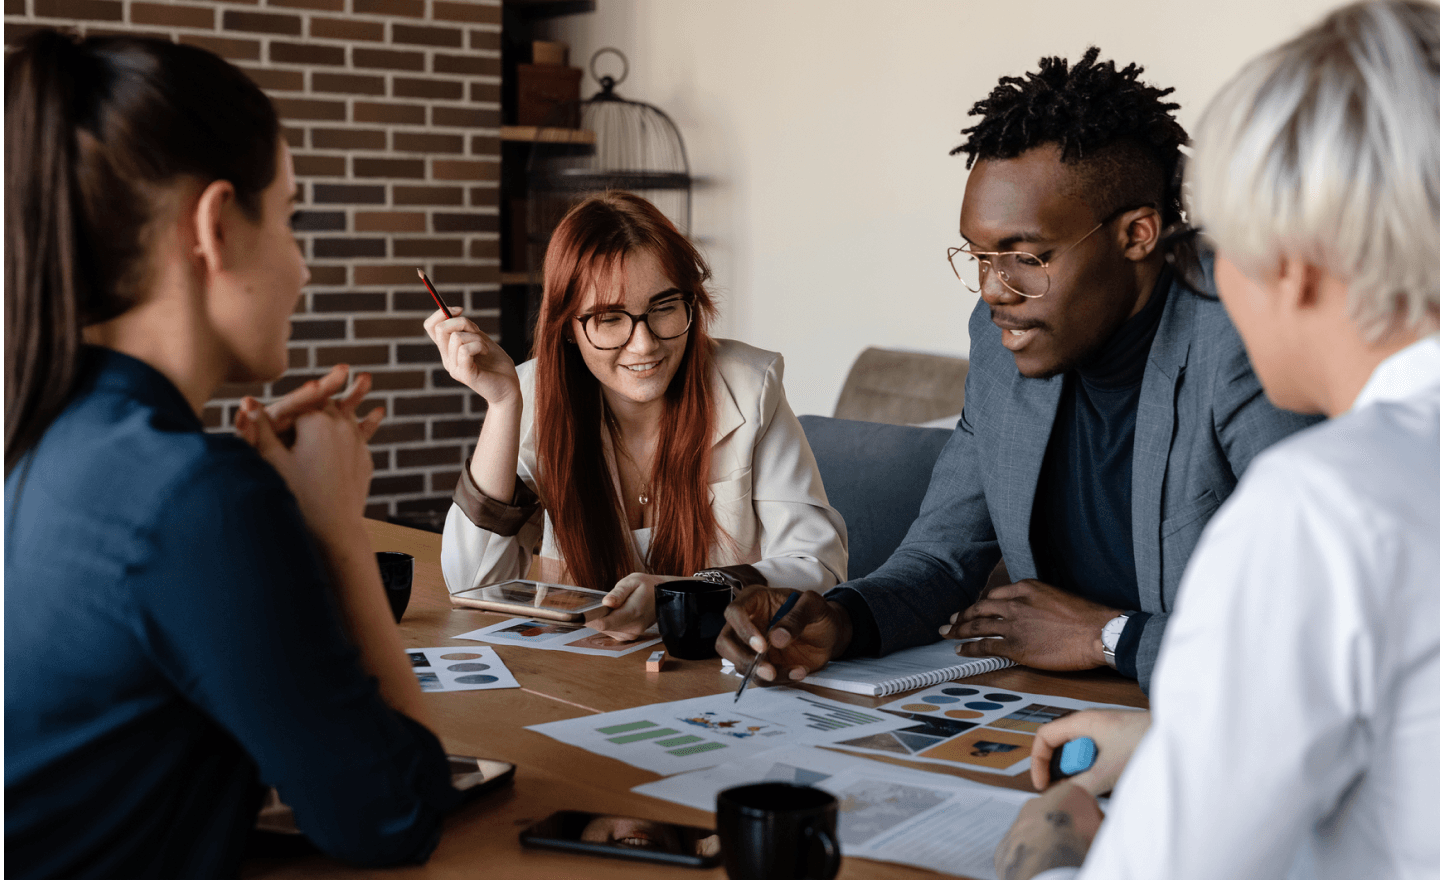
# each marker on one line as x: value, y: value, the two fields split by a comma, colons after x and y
x: 819, y: 131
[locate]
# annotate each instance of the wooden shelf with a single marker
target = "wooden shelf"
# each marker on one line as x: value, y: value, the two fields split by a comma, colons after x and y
x: 533, y: 10
x: 536, y: 134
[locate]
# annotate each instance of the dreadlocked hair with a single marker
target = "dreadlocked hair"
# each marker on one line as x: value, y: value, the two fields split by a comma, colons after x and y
x: 1115, y: 130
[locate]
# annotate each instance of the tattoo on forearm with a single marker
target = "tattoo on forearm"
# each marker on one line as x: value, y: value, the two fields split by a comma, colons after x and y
x: 1066, y: 849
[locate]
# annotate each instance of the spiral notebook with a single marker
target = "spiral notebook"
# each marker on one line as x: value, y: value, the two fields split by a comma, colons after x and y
x: 902, y: 671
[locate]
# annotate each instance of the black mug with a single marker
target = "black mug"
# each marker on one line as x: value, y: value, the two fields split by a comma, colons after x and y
x: 778, y: 831
x: 397, y: 570
x: 691, y: 614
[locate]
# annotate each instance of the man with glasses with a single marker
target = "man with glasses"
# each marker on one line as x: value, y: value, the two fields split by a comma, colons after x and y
x: 1109, y: 410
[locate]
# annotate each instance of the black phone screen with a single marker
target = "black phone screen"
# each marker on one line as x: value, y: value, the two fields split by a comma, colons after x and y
x: 625, y: 837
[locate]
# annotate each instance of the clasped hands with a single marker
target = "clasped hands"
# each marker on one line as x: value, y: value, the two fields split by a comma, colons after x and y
x: 318, y: 445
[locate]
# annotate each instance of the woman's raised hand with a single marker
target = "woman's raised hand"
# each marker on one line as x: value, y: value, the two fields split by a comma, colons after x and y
x: 472, y: 358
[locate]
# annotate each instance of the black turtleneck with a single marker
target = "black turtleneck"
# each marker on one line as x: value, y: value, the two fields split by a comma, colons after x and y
x: 1081, y: 528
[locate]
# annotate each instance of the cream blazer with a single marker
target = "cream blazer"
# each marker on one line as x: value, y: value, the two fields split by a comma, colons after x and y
x: 764, y: 488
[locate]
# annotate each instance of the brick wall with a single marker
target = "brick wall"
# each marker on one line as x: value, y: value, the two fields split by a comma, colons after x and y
x: 392, y: 109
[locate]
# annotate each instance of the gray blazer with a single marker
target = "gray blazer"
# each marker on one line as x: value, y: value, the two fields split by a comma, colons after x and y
x: 1202, y: 419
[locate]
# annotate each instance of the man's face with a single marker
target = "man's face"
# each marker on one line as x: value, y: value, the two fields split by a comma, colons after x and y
x: 1033, y: 203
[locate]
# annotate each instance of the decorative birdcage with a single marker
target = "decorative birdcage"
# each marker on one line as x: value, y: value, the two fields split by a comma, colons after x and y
x: 604, y: 142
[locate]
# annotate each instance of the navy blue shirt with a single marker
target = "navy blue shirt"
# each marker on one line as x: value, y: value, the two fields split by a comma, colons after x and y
x: 1081, y: 528
x: 171, y: 643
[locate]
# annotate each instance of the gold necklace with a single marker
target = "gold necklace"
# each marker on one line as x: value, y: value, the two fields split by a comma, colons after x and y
x: 617, y: 439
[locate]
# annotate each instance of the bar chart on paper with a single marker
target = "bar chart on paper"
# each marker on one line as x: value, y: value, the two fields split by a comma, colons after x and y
x: 691, y: 734
x: 677, y: 743
x: 829, y: 716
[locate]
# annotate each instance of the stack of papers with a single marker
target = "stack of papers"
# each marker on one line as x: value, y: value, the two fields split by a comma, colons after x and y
x: 888, y: 813
x: 668, y: 738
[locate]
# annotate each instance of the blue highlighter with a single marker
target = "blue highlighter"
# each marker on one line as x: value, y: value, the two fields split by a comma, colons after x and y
x: 1076, y: 756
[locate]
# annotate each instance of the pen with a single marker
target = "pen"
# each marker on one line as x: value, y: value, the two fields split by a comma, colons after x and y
x: 784, y: 610
x: 434, y: 294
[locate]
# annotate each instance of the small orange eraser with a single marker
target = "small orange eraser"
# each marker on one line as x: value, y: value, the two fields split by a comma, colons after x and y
x: 655, y: 662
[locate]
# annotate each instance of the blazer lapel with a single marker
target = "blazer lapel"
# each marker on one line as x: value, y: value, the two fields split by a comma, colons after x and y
x: 1154, y: 431
x: 1024, y: 436
x: 728, y: 419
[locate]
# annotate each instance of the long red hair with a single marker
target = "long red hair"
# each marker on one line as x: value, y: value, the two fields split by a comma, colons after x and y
x: 589, y: 247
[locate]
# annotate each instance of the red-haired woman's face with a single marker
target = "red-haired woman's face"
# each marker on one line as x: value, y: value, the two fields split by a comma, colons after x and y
x: 640, y: 371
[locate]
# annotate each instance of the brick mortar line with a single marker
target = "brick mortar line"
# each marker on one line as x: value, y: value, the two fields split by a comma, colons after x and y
x: 264, y: 38
x: 378, y: 71
x: 426, y: 21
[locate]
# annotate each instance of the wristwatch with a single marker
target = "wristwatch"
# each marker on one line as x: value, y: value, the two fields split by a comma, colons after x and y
x: 717, y: 576
x: 1110, y: 636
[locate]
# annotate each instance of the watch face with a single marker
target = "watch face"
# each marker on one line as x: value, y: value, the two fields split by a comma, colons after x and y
x: 1110, y: 634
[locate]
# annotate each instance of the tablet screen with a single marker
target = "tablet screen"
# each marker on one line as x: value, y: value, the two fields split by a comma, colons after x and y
x: 537, y: 595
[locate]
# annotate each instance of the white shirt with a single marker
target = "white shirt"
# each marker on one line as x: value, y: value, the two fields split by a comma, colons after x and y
x: 1296, y: 699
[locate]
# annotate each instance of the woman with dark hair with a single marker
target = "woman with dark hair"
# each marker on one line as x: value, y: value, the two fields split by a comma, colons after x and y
x: 186, y: 614
x: 634, y: 448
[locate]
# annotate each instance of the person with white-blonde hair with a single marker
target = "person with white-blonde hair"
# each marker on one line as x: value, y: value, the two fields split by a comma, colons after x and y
x: 1297, y: 699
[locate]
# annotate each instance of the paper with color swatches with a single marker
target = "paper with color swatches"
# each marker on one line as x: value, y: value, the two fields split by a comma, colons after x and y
x: 459, y: 669
x: 986, y: 729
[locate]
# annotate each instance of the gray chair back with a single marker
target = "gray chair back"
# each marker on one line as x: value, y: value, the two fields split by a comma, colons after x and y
x: 875, y: 476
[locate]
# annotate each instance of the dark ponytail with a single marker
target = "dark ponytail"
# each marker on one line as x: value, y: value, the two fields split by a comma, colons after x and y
x: 95, y: 132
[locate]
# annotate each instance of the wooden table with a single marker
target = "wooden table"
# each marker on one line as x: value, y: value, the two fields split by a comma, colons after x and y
x: 482, y: 840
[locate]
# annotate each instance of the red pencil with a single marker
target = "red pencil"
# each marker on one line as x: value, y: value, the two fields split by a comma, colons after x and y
x: 434, y: 294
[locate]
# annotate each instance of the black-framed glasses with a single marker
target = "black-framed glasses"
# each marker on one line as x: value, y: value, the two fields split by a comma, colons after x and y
x: 1191, y: 258
x: 1019, y: 272
x: 610, y: 329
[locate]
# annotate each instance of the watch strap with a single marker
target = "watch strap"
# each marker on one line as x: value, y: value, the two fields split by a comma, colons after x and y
x: 719, y: 576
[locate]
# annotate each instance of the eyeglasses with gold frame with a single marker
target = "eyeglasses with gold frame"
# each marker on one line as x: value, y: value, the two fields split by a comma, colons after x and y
x: 1019, y: 272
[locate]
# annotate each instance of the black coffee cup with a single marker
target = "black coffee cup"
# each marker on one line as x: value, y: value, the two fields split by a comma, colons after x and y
x: 691, y: 614
x: 778, y: 831
x: 397, y: 571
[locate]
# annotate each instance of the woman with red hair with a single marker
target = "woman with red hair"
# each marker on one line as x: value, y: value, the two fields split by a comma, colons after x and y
x: 633, y: 448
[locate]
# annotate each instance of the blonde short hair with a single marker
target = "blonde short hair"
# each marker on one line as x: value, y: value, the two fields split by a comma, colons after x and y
x: 1328, y: 148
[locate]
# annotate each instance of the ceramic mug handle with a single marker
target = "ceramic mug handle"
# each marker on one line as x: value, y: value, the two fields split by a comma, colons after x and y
x: 822, y: 844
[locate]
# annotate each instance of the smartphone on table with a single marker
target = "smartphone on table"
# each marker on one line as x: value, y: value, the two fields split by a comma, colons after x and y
x: 625, y: 837
x: 531, y: 599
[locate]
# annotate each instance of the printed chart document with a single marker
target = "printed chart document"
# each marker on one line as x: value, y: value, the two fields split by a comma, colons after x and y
x: 547, y: 635
x: 902, y: 671
x: 887, y: 813
x: 668, y: 738
x: 978, y: 728
x: 459, y: 669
